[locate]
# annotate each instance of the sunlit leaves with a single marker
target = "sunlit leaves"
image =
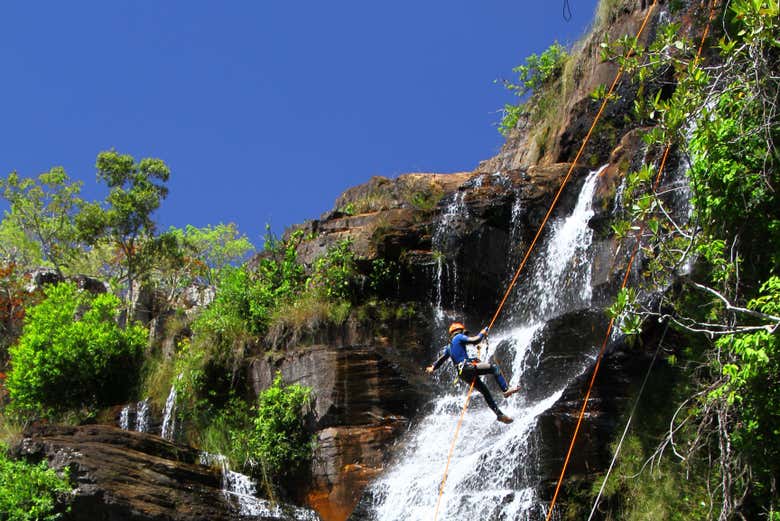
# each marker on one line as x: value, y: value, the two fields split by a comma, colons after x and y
x: 73, y: 354
x: 42, y: 213
x: 532, y: 76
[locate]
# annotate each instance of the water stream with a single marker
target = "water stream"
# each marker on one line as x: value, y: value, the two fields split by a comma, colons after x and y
x: 168, y: 430
x: 494, y: 473
x: 241, y: 492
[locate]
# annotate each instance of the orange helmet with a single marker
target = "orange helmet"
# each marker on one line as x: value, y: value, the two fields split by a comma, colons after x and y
x: 455, y: 326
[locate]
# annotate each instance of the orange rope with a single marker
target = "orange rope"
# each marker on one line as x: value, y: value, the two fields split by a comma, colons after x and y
x: 452, y: 449
x: 638, y: 237
x: 566, y: 178
x: 637, y: 243
x: 533, y: 244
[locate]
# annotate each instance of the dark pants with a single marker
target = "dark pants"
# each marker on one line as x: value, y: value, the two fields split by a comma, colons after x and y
x: 472, y: 371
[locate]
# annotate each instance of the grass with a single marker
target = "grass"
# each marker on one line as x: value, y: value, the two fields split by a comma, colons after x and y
x: 10, y: 430
x: 156, y: 381
x: 298, y: 320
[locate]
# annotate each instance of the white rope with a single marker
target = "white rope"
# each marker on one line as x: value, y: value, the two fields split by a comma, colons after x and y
x: 628, y: 423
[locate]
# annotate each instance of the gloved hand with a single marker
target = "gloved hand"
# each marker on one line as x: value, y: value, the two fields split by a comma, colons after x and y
x: 484, y: 332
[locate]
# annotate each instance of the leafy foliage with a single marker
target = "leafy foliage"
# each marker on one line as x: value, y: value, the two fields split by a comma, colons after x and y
x: 14, y: 300
x: 533, y: 76
x: 42, y: 212
x: 72, y: 353
x: 279, y: 440
x: 30, y: 492
x: 136, y: 190
x: 211, y: 249
x: 725, y: 119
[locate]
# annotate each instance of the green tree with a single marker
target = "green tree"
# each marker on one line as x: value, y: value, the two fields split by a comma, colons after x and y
x: 726, y: 303
x: 72, y: 354
x: 218, y: 246
x: 43, y: 210
x: 209, y: 250
x: 136, y: 190
x: 16, y: 247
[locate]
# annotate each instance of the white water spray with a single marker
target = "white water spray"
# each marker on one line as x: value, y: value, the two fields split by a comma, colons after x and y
x: 142, y: 416
x: 494, y: 470
x: 241, y: 492
x: 169, y: 414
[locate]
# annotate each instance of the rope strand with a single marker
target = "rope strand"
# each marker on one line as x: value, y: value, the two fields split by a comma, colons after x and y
x: 637, y: 243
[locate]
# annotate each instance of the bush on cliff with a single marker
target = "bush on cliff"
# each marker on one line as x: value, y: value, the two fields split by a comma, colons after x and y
x: 279, y: 440
x: 72, y: 354
x: 30, y: 492
x: 268, y: 439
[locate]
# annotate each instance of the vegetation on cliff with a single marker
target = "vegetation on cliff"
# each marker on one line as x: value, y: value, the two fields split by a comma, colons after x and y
x: 712, y: 274
x: 30, y: 492
x: 73, y: 355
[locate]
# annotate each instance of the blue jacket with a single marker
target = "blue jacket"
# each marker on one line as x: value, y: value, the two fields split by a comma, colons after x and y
x: 456, y: 350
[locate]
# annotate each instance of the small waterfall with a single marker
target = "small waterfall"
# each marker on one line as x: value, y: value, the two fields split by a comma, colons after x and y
x: 142, y: 416
x: 124, y: 418
x: 241, y: 492
x: 559, y: 279
x: 494, y: 474
x: 135, y: 416
x: 169, y: 415
x: 446, y: 272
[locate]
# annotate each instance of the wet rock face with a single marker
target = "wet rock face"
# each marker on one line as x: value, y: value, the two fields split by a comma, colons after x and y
x: 122, y: 475
x: 364, y: 396
x: 615, y: 389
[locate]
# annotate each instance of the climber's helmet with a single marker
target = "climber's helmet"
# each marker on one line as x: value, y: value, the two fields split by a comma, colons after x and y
x: 457, y: 327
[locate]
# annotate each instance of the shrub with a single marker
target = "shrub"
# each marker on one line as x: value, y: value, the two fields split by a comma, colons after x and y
x: 534, y: 78
x: 334, y: 273
x: 279, y: 440
x: 72, y: 354
x: 30, y: 492
x: 269, y: 439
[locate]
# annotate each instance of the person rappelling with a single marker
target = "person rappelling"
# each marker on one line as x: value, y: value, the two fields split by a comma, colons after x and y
x: 470, y: 367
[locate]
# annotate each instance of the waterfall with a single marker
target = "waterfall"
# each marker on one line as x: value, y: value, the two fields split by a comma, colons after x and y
x: 142, y: 416
x: 559, y: 279
x: 494, y: 473
x: 169, y: 414
x: 124, y: 418
x: 446, y: 272
x: 241, y: 492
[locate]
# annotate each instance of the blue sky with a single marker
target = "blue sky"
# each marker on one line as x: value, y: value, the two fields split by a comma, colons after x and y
x: 264, y: 110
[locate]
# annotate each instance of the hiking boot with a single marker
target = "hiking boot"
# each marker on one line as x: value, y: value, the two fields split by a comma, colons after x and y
x: 512, y: 390
x: 503, y: 418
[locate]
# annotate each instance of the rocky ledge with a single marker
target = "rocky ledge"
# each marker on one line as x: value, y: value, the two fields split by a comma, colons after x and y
x: 131, y: 476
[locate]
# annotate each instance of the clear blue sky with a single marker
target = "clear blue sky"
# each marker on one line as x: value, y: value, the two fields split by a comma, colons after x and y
x: 264, y: 110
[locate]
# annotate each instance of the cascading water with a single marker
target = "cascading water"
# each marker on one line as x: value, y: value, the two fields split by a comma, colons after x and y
x: 240, y: 491
x: 559, y: 280
x: 446, y: 273
x: 135, y: 417
x: 168, y: 430
x: 124, y: 418
x: 142, y: 416
x: 494, y: 471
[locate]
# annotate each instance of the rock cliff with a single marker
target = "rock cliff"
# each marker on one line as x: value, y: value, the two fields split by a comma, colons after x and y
x: 456, y: 239
x: 131, y: 476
